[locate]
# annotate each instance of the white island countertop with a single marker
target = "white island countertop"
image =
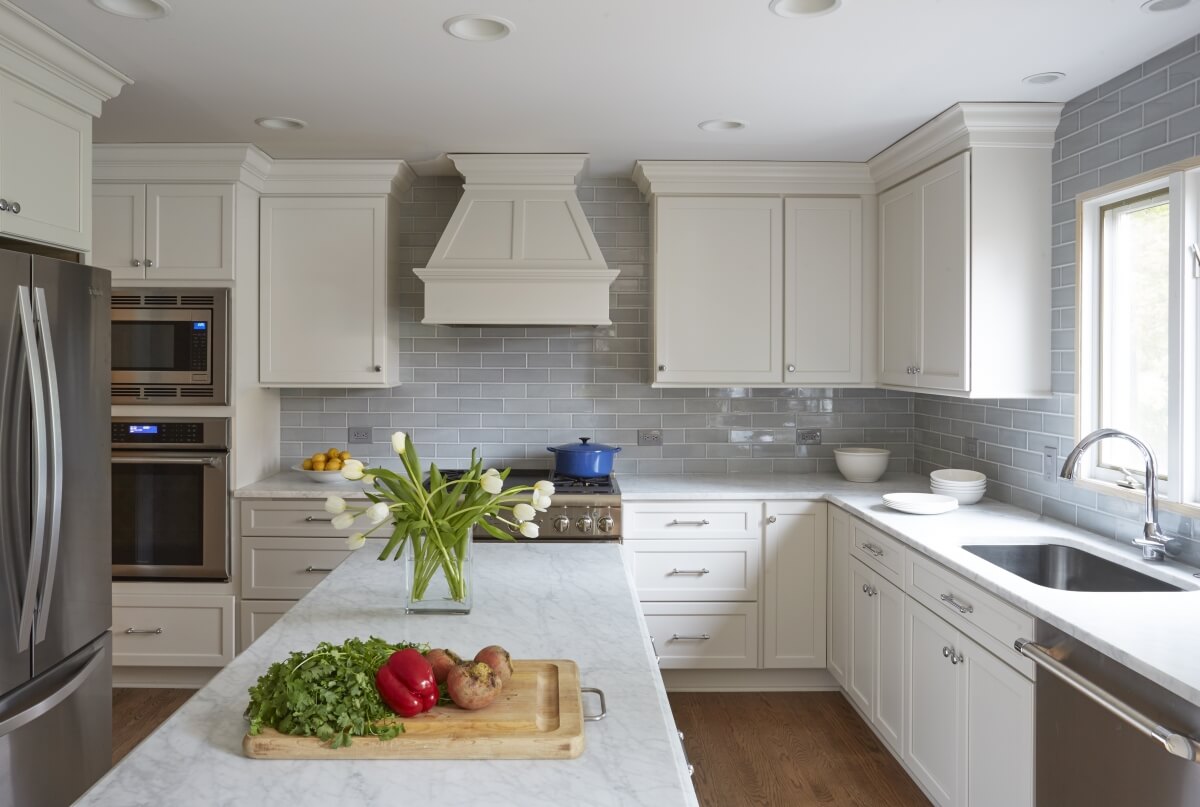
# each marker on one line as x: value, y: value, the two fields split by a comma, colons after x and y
x: 538, y: 600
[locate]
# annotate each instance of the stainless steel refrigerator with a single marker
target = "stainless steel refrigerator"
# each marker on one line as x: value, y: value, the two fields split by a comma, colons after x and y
x: 55, y: 531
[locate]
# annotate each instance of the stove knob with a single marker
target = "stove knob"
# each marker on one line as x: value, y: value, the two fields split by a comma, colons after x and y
x: 605, y: 523
x: 584, y: 523
x: 562, y: 524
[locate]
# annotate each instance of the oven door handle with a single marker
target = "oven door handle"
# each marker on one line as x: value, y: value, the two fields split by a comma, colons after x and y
x: 150, y: 459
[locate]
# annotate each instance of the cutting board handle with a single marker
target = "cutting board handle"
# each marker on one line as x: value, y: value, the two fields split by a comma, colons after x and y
x: 603, y: 704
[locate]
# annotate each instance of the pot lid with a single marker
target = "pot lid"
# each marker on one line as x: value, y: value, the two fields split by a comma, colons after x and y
x: 584, y: 446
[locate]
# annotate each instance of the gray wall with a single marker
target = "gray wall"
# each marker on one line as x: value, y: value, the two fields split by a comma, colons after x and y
x: 514, y: 391
x: 1142, y: 119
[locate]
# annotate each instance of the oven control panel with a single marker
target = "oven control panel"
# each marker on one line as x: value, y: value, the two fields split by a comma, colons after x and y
x: 151, y: 432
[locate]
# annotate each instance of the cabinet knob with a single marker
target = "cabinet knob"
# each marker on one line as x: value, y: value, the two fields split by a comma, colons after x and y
x: 945, y: 652
x: 661, y: 368
x: 136, y: 262
x: 772, y: 519
x: 16, y: 208
x: 378, y: 369
x: 149, y: 263
x: 791, y: 368
x: 916, y: 371
x: 4, y: 205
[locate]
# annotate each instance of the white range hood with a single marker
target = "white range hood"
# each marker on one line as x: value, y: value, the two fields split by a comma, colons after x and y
x: 518, y: 249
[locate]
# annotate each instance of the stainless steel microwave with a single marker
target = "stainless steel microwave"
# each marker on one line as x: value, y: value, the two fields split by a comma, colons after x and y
x: 170, y: 346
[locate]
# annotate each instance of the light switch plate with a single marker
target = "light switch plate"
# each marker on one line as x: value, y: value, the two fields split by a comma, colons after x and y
x: 808, y: 437
x: 359, y: 436
x: 1049, y: 462
x: 649, y: 437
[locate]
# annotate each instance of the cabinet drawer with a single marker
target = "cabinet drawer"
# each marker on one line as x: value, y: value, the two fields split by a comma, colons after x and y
x: 881, y: 552
x: 673, y: 520
x: 258, y: 616
x: 151, y: 630
x: 287, y: 568
x: 700, y: 635
x: 700, y: 570
x: 287, y: 517
x: 989, y: 620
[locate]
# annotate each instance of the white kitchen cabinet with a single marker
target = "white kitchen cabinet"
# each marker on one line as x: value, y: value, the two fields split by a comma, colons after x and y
x: 161, y: 231
x: 169, y: 630
x: 704, y: 635
x: 324, y: 292
x: 839, y: 594
x: 999, y: 734
x: 936, y: 704
x: 45, y: 167
x: 258, y: 616
x: 795, y: 577
x: 718, y: 274
x: 864, y: 628
x: 823, y: 291
x: 875, y: 667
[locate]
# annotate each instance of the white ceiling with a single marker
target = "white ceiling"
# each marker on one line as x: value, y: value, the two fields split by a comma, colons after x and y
x: 619, y: 79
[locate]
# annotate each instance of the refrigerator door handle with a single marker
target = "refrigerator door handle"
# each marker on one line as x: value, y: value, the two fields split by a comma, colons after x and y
x: 31, y: 713
x: 34, y: 368
x: 56, y: 458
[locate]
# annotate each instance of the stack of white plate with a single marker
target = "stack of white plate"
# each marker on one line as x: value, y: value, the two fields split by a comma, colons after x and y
x: 921, y: 504
x: 967, y: 487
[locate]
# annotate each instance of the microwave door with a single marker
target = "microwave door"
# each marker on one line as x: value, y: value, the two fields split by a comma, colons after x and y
x: 161, y: 347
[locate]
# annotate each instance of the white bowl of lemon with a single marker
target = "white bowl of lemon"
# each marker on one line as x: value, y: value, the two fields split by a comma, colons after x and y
x: 326, y: 467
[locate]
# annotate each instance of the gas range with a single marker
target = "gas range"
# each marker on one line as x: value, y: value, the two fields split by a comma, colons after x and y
x: 580, y: 510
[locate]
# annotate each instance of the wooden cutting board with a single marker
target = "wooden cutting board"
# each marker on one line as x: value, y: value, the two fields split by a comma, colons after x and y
x: 538, y: 715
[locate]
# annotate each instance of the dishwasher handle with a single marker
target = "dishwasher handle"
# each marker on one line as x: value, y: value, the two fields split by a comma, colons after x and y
x: 1177, y: 744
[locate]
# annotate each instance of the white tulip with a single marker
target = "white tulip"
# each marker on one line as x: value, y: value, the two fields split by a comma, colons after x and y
x: 335, y: 505
x: 352, y: 469
x: 524, y: 512
x: 356, y: 541
x: 529, y: 529
x: 398, y: 442
x: 343, y: 521
x: 544, y: 487
x: 368, y: 479
x: 490, y: 472
x: 378, y: 512
x: 492, y: 484
x: 539, y: 501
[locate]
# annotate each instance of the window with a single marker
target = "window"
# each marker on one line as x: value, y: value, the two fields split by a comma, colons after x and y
x: 1137, y: 330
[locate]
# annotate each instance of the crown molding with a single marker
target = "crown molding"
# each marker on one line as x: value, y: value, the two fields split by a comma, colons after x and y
x: 963, y: 126
x: 339, y: 177
x: 656, y: 177
x: 36, y: 53
x: 520, y: 169
x: 181, y: 162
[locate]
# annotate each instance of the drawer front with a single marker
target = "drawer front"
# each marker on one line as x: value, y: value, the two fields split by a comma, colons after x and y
x: 287, y: 568
x: 704, y: 635
x: 702, y: 570
x: 152, y: 630
x: 882, y: 553
x: 986, y: 618
x: 691, y: 520
x: 258, y: 616
x: 305, y: 517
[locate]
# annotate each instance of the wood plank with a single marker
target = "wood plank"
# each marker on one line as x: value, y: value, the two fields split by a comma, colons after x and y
x: 538, y: 715
x: 138, y: 712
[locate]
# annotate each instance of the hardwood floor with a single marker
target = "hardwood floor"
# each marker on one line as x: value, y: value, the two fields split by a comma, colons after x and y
x: 137, y: 712
x: 788, y: 748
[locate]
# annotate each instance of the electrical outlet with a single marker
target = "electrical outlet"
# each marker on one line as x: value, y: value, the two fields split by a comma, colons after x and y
x: 971, y: 446
x: 360, y: 435
x: 808, y: 437
x: 649, y: 437
x: 1049, y: 462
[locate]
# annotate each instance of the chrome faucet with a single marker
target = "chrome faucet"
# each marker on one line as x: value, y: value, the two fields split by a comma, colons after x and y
x: 1153, y: 543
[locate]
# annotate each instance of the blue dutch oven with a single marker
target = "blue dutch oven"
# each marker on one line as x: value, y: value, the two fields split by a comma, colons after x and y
x: 582, y: 459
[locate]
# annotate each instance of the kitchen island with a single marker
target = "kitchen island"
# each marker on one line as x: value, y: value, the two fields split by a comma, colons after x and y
x: 538, y: 600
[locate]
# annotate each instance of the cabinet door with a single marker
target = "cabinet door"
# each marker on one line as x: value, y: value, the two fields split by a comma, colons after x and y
x: 864, y: 628
x: 258, y: 616
x: 945, y: 282
x: 999, y: 732
x: 796, y: 577
x: 889, y: 653
x: 718, y: 282
x: 823, y: 284
x: 935, y: 707
x: 839, y: 593
x: 899, y: 283
x: 45, y: 167
x: 189, y: 232
x: 119, y: 217
x: 323, y: 307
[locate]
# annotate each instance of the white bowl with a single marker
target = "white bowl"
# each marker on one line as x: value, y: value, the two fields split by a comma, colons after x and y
x: 958, y: 476
x: 324, y: 477
x: 963, y: 496
x: 948, y: 486
x: 862, y: 464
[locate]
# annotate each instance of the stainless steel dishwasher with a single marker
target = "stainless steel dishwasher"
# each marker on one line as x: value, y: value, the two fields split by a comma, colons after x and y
x: 1088, y: 755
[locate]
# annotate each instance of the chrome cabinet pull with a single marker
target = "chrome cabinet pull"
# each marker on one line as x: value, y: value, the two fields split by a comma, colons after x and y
x: 136, y: 262
x: 603, y: 704
x: 143, y: 631
x: 677, y: 523
x: 311, y: 519
x: 952, y: 654
x: 654, y: 647
x: 691, y: 769
x: 874, y: 550
x: 772, y: 519
x: 149, y: 263
x: 1195, y: 260
x: 791, y: 368
x: 865, y: 587
x: 318, y: 569
x: 945, y: 652
x: 917, y: 370
x: 378, y: 368
x: 700, y: 572
x: 16, y: 208
x: 4, y: 205
x: 955, y: 604
x: 956, y: 658
x: 703, y: 637
x: 662, y: 368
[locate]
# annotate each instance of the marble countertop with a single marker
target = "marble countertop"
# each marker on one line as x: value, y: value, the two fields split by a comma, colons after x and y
x: 295, y: 485
x: 539, y: 601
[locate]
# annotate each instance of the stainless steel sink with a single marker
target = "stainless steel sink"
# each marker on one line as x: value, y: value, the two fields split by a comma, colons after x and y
x: 1066, y: 568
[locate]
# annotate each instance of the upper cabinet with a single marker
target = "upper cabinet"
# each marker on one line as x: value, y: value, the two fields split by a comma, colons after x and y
x: 964, y: 253
x: 160, y: 231
x: 755, y: 284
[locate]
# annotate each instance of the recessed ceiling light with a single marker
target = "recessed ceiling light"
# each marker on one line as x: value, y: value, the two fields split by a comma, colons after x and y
x: 280, y: 123
x: 1164, y: 5
x: 1044, y: 78
x: 804, y: 8
x: 722, y: 125
x: 478, y: 27
x: 137, y: 9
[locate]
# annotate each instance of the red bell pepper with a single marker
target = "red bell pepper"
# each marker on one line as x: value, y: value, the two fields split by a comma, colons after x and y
x: 406, y: 683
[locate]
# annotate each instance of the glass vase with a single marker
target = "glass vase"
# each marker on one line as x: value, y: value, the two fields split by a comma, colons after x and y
x: 438, y: 574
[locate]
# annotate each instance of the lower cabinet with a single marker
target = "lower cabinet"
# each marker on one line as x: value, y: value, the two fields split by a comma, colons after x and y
x: 258, y: 616
x: 838, y: 631
x: 704, y: 635
x: 169, y: 630
x: 875, y: 664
